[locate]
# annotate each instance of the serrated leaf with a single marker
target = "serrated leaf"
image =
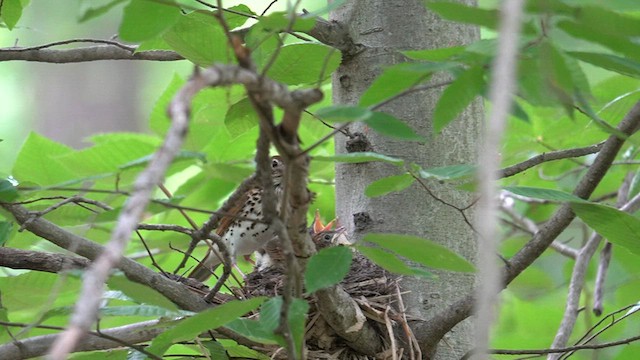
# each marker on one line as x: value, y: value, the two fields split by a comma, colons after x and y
x: 37, y: 162
x: 11, y: 11
x: 389, y: 184
x: 465, y: 14
x: 93, y: 12
x: 327, y: 268
x: 191, y: 327
x: 343, y: 113
x: 360, y: 157
x: 621, y: 65
x: 144, y: 19
x: 108, y: 157
x: 614, y: 42
x: 422, y: 251
x: 448, y: 172
x: 616, y: 226
x: 240, y: 117
x: 390, y: 262
x: 198, y: 37
x: 5, y: 230
x: 216, y: 350
x: 388, y: 125
x: 297, y: 320
x: 304, y: 63
x: 438, y: 54
x: 457, y: 96
x: 392, y: 81
x: 140, y: 293
x: 253, y: 330
x: 279, y: 21
x: 544, y: 194
x: 8, y: 191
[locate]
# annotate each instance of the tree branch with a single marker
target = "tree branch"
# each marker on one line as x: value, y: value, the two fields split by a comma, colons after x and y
x: 550, y: 156
x: 40, y: 261
x: 503, y: 83
x: 90, y: 53
x: 577, y: 280
x: 39, y: 345
x: 432, y: 330
x: 86, y: 307
x: 134, y: 271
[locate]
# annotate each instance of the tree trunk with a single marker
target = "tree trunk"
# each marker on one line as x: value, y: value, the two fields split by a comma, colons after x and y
x: 386, y: 27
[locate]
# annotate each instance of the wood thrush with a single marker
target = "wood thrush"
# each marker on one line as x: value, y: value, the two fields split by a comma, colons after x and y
x: 241, y: 235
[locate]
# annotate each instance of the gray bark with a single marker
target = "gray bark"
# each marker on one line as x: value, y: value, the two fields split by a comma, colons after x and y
x: 386, y: 27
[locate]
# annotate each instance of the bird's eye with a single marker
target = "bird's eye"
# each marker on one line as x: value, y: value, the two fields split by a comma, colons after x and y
x: 327, y: 237
x: 274, y: 163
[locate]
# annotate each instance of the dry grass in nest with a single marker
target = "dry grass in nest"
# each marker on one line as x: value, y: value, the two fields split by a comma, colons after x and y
x: 374, y: 290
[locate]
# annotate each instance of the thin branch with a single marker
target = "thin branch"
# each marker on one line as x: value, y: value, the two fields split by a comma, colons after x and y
x: 93, y: 284
x: 530, y: 226
x: 501, y: 97
x: 91, y: 250
x: 578, y: 276
x: 550, y: 156
x: 91, y: 53
x: 40, y: 261
x: 433, y: 329
x: 105, y: 339
x: 566, y: 349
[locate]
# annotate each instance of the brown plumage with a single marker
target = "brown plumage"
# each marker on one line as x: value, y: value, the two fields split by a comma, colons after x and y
x: 242, y: 237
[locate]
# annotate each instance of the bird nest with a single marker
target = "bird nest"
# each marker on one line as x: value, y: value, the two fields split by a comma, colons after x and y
x: 373, y: 289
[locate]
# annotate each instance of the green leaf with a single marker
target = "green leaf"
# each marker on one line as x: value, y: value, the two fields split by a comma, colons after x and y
x: 422, y: 251
x: 389, y: 184
x: 457, y: 96
x: 253, y: 330
x: 608, y: 22
x: 614, y: 42
x: 11, y: 11
x: 109, y: 157
x: 297, y: 320
x: 140, y: 293
x: 5, y: 230
x: 465, y: 14
x: 141, y: 310
x: 327, y: 268
x: 616, y: 226
x: 390, y: 262
x: 37, y: 162
x: 93, y: 12
x: 240, y: 117
x: 618, y: 64
x: 159, y: 121
x: 198, y: 37
x: 8, y: 191
x: 388, y: 125
x: 392, y: 81
x: 145, y: 19
x: 400, y: 77
x: 544, y: 194
x: 216, y: 350
x: 360, y: 157
x: 191, y: 327
x: 304, y: 63
x: 343, y: 113
x: 448, y: 172
x: 280, y: 20
x: 438, y: 54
